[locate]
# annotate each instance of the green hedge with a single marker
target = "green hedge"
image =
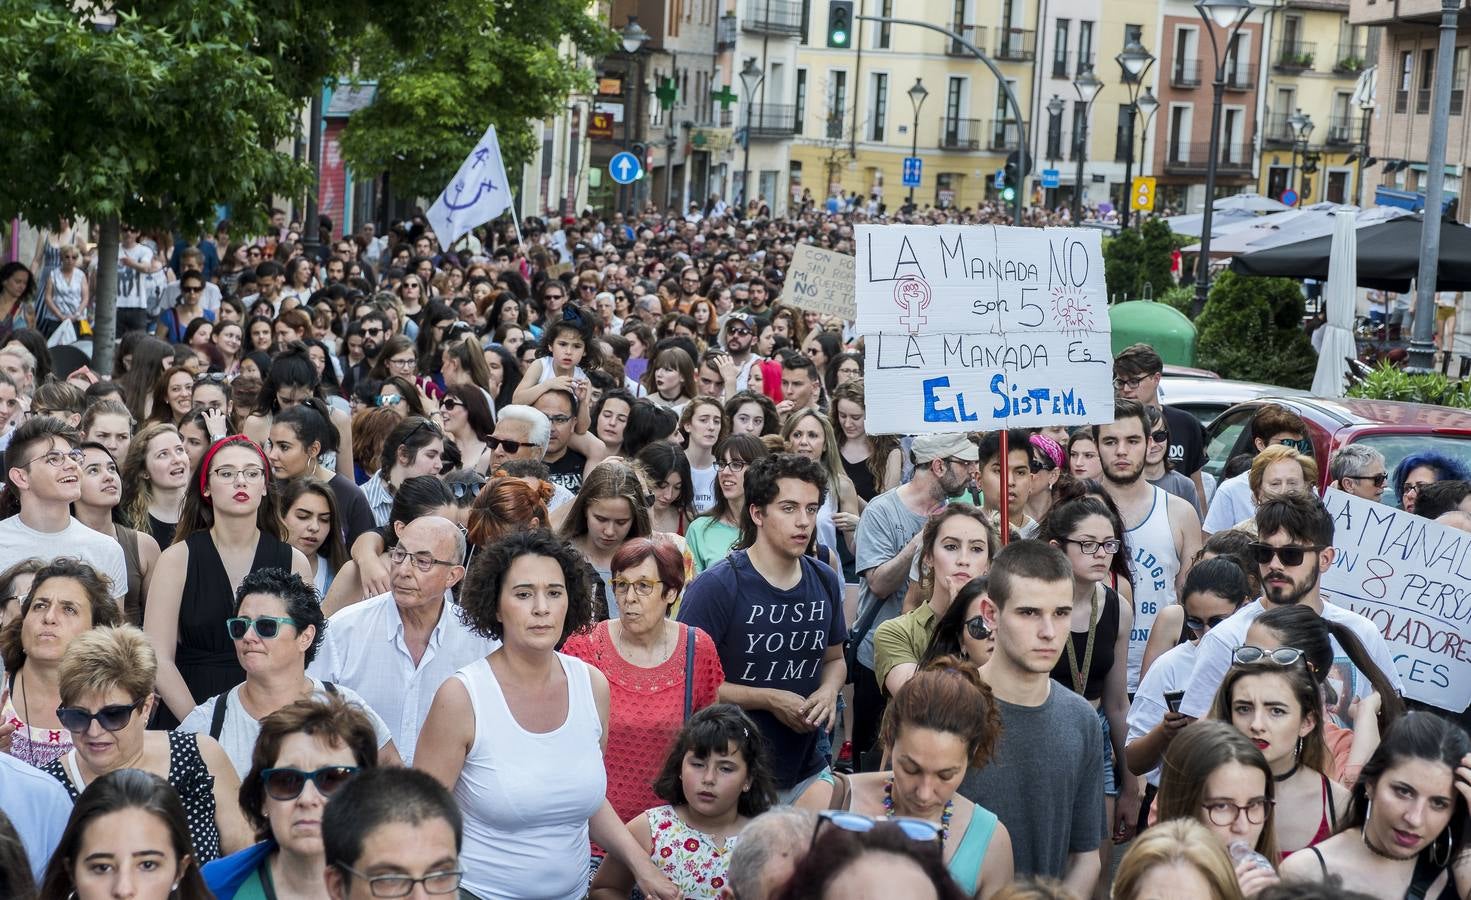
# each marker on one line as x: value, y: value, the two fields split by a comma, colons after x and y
x: 1251, y: 329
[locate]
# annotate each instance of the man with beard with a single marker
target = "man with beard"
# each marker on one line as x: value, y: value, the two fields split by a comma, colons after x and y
x: 1160, y: 529
x: 889, y: 535
x: 375, y: 329
x: 1294, y: 547
x: 738, y: 339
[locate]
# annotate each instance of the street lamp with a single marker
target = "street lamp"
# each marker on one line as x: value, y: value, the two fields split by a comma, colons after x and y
x: 917, y: 95
x: 1135, y: 62
x: 1148, y: 106
x: 1302, y: 126
x: 751, y: 79
x: 1229, y: 16
x: 632, y: 37
x: 1087, y: 85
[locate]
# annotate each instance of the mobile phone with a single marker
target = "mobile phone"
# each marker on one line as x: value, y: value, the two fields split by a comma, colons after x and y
x: 1172, y: 700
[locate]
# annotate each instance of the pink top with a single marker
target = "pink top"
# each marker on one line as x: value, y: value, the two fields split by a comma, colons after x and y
x: 647, y: 710
x: 37, y: 746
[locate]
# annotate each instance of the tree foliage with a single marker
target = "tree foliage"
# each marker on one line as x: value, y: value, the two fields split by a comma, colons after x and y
x: 1133, y: 260
x: 1251, y: 329
x: 501, y: 62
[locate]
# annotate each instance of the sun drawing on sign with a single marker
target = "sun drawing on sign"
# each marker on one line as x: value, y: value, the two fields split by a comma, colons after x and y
x: 1071, y: 308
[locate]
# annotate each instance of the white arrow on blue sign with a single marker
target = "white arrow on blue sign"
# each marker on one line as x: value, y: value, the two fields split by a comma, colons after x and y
x: 625, y: 168
x: 1000, y: 181
x: 1050, y: 178
x: 913, y: 171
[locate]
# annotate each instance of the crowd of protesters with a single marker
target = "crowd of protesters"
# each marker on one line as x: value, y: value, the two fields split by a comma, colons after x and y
x: 562, y: 564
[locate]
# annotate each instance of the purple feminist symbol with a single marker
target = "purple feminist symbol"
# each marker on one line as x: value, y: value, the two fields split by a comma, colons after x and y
x: 912, y: 296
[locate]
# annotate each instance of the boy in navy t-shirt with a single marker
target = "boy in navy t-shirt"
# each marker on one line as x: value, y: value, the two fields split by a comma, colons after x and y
x: 776, y: 616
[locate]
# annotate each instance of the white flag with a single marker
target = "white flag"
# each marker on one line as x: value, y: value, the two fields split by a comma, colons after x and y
x: 478, y: 193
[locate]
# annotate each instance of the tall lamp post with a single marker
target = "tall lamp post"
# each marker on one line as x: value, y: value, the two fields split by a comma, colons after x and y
x: 1087, y: 85
x: 1147, y: 105
x: 1302, y: 126
x: 1229, y: 16
x: 751, y: 79
x: 1361, y: 150
x: 917, y: 95
x: 1055, y: 109
x: 1134, y: 62
x: 633, y: 37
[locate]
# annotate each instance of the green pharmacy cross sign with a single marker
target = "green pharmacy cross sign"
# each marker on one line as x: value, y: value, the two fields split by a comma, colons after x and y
x: 666, y: 92
x: 725, y: 97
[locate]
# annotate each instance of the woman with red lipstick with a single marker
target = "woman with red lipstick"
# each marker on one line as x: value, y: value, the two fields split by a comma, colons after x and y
x: 1273, y: 699
x: 1406, y: 826
x: 305, y: 752
x: 228, y: 528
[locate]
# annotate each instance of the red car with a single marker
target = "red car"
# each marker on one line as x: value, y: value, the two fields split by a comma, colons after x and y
x: 1393, y: 428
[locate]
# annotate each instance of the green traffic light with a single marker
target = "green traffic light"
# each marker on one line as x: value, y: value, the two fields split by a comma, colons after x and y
x: 840, y: 37
x: 1008, y: 194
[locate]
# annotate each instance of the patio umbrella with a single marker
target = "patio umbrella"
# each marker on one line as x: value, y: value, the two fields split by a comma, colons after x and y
x: 1388, y: 257
x: 1251, y: 203
x: 1290, y: 227
x: 1338, y: 298
x: 1222, y: 221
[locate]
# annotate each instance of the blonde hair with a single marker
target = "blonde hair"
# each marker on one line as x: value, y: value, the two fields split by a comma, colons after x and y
x: 104, y: 658
x: 832, y: 459
x: 1278, y: 453
x: 1172, y: 843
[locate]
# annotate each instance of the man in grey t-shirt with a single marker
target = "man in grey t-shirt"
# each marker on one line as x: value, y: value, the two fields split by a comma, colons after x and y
x: 1045, y: 779
x: 888, y: 539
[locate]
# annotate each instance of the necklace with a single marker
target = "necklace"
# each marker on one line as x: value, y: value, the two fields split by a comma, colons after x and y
x: 1080, y: 675
x: 662, y: 650
x: 944, y: 816
x: 1296, y: 763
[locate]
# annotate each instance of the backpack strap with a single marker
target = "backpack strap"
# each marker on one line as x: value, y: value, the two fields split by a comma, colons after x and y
x: 217, y: 722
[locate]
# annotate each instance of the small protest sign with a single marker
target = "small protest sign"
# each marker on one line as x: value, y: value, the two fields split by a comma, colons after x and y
x: 974, y: 328
x: 1412, y: 579
x: 820, y: 281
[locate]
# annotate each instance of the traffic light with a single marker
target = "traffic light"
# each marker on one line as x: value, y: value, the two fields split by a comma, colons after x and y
x: 1010, y: 182
x: 840, y: 24
x: 640, y: 152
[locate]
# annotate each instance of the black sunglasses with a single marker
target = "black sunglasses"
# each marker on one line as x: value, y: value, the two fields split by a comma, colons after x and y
x: 977, y: 628
x: 1198, y: 625
x: 1040, y: 465
x: 1379, y: 480
x: 287, y: 784
x: 1160, y: 437
x: 511, y: 447
x: 112, y: 718
x: 1262, y: 554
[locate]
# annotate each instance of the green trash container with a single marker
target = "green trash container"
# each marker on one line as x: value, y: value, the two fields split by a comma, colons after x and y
x: 1159, y: 325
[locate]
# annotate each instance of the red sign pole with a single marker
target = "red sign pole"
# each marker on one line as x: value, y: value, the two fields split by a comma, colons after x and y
x: 1005, y: 489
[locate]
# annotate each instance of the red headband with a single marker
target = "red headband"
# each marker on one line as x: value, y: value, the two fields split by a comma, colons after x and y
x: 219, y: 445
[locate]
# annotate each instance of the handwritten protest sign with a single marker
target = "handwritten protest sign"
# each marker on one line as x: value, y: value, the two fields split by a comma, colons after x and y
x: 974, y: 328
x: 1412, y: 579
x: 820, y: 281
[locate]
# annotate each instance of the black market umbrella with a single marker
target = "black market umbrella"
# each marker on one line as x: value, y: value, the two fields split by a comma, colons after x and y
x: 1388, y: 256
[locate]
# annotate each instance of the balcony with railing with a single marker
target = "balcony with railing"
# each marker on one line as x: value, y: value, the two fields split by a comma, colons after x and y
x: 1016, y: 44
x: 779, y: 17
x: 975, y: 34
x: 772, y: 120
x: 1188, y: 158
x: 1240, y: 76
x: 726, y: 28
x: 1185, y: 73
x: 1275, y: 131
x: 960, y: 134
x: 1071, y: 65
x: 1003, y: 134
x: 1351, y: 59
x: 1343, y: 130
x: 1293, y: 56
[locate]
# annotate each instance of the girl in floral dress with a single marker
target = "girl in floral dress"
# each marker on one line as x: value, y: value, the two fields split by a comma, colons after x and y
x: 715, y: 779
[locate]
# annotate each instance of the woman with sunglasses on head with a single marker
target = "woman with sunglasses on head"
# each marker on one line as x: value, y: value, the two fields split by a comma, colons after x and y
x: 962, y: 631
x: 107, y: 698
x: 712, y: 535
x: 1213, y: 590
x: 65, y: 599
x: 1272, y: 698
x: 1158, y: 469
x: 276, y: 630
x: 1406, y: 828
x: 228, y: 528
x: 97, y: 508
x: 305, y: 751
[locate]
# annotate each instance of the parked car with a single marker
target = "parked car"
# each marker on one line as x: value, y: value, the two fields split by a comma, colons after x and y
x: 1206, y: 398
x: 1393, y: 428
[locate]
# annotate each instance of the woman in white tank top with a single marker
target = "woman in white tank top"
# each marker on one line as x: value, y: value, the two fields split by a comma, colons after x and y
x: 518, y: 735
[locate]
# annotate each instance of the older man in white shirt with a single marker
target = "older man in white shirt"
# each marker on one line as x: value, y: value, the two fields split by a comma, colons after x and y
x: 396, y: 649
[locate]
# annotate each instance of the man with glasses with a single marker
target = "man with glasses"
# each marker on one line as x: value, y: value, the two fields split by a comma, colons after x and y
x: 192, y: 258
x: 396, y: 649
x: 553, y: 299
x: 1137, y: 372
x: 374, y: 329
x: 135, y: 262
x: 392, y: 832
x: 1358, y: 469
x: 1294, y: 547
x: 45, y: 473
x: 565, y: 464
x: 739, y: 341
x: 1233, y: 501
x: 887, y: 543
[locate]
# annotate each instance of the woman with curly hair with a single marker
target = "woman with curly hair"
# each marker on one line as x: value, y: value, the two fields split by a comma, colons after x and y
x: 534, y: 793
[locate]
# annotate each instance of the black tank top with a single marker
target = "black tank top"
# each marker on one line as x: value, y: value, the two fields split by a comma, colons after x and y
x: 862, y: 478
x: 1104, y: 638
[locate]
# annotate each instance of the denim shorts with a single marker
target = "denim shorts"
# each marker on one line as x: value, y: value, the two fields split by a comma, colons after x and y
x: 1110, y: 769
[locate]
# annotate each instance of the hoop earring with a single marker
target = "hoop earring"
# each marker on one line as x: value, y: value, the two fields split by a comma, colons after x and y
x: 1299, y: 749
x: 1449, y: 843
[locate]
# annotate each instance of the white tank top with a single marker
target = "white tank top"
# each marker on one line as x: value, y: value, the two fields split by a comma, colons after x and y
x: 1154, y: 565
x: 827, y: 529
x: 527, y: 798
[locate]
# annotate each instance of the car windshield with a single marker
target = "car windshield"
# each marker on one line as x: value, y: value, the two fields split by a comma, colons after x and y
x: 1396, y: 447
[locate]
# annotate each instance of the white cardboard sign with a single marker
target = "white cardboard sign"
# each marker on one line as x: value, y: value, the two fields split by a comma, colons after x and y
x: 820, y: 281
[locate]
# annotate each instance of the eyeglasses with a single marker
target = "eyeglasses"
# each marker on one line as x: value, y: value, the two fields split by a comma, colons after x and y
x: 511, y: 448
x: 1413, y: 487
x: 1282, y: 656
x: 1091, y: 548
x: 559, y: 419
x: 737, y: 466
x: 403, y: 885
x: 977, y: 628
x: 1303, y: 446
x: 112, y: 718
x: 1200, y: 626
x: 1379, y: 480
x: 266, y: 627
x: 421, y: 560
x: 57, y: 458
x: 1291, y: 555
x: 1129, y: 384
x: 287, y: 784
x: 644, y: 587
x: 914, y: 829
x: 554, y: 297
x: 1160, y: 437
x: 252, y: 474
x: 1224, y: 813
x: 402, y: 363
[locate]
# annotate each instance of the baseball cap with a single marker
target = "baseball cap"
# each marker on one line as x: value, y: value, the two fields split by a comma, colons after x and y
x: 748, y: 321
x: 928, y: 447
